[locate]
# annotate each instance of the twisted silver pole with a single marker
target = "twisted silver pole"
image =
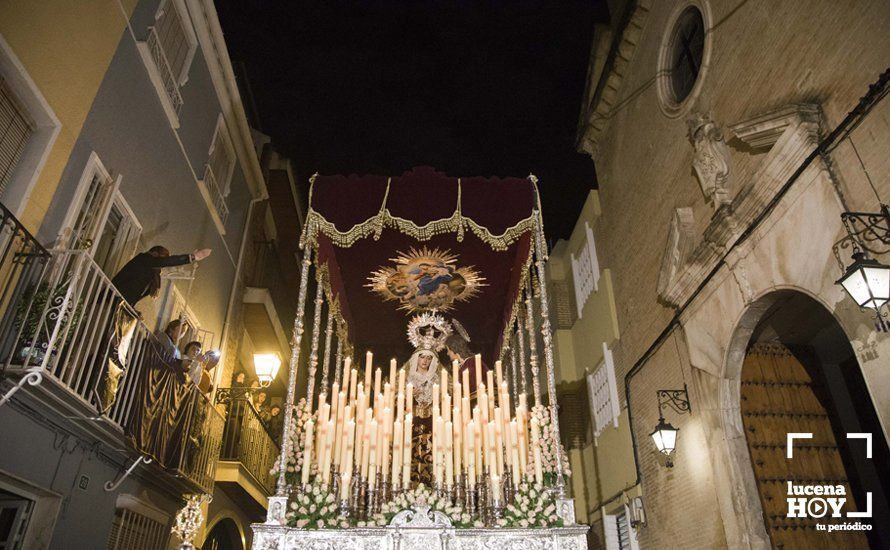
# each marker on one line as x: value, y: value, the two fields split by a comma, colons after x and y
x: 313, y: 353
x: 282, y: 488
x: 532, y: 340
x: 326, y: 364
x: 521, y: 338
x: 514, y: 366
x: 540, y: 258
x: 338, y: 360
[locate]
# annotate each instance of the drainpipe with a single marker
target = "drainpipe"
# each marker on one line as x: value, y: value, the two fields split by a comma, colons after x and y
x: 239, y: 268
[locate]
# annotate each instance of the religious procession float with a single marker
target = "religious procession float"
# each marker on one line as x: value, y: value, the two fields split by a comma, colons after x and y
x: 435, y: 425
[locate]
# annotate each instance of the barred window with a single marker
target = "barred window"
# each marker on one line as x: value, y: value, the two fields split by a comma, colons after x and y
x: 133, y: 531
x: 16, y: 129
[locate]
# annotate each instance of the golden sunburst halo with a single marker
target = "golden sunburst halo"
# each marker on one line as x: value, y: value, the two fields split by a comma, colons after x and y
x: 426, y: 279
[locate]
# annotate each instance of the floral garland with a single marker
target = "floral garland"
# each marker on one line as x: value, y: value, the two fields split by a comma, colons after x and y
x: 421, y: 495
x: 315, y: 508
x: 532, y: 507
x: 296, y: 436
x: 548, y: 447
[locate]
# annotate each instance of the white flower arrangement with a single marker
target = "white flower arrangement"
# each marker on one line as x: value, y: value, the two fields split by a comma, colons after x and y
x: 531, y: 507
x: 315, y: 508
x: 548, y: 448
x: 295, y: 434
x: 421, y: 495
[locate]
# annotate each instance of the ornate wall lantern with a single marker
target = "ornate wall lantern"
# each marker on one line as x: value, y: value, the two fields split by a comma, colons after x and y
x: 866, y: 280
x: 266, y: 366
x: 665, y: 435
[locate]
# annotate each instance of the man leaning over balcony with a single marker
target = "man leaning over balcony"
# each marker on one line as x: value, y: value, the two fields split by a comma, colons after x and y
x: 141, y: 276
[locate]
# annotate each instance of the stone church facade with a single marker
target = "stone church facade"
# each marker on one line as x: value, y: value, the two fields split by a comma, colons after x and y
x: 722, y: 180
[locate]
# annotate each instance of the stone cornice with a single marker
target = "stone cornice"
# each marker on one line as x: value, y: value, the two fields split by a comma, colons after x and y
x: 608, y: 86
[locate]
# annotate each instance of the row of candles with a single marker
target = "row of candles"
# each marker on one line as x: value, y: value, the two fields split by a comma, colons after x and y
x: 369, y: 433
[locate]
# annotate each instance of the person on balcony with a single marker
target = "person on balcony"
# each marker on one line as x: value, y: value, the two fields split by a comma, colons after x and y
x: 170, y: 338
x: 141, y: 276
x: 276, y: 422
x: 239, y: 380
x: 197, y: 366
x: 261, y: 404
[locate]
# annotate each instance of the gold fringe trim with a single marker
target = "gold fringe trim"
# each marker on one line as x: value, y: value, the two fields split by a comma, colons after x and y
x: 373, y: 227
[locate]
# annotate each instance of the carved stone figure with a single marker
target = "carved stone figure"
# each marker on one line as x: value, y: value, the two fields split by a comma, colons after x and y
x: 711, y: 160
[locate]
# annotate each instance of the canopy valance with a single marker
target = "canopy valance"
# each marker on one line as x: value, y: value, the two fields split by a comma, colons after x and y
x: 360, y: 224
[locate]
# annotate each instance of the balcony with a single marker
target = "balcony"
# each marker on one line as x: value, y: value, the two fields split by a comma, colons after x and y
x: 247, y: 454
x: 71, y: 344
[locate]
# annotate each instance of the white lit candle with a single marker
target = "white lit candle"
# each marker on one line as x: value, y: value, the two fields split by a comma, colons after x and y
x: 307, y: 451
x: 369, y: 361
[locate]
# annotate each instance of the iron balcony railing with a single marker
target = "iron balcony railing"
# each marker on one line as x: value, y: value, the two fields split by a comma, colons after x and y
x: 67, y: 326
x: 159, y: 56
x: 246, y: 438
x: 23, y: 262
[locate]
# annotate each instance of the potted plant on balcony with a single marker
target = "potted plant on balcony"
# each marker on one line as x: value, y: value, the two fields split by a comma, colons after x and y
x: 34, y: 335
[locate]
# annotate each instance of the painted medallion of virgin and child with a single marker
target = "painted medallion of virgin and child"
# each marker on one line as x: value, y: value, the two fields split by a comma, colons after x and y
x: 426, y: 280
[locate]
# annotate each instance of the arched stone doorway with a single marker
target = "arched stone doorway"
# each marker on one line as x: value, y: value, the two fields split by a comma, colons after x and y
x: 224, y: 536
x: 798, y: 373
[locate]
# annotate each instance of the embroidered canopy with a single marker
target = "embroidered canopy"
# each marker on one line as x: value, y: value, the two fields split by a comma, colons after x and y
x: 461, y: 245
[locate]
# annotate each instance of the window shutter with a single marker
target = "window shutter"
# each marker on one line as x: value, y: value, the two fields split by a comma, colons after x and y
x: 221, y: 161
x: 174, y: 39
x: 585, y: 270
x: 603, y: 391
x: 15, y: 130
x: 610, y: 532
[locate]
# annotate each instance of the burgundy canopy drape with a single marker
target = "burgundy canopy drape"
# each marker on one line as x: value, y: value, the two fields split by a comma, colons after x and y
x: 421, y: 196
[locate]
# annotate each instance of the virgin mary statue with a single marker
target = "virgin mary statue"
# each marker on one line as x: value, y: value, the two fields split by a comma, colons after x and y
x: 423, y: 369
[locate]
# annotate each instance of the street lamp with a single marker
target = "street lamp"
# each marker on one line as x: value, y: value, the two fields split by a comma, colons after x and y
x: 266, y: 366
x: 867, y: 281
x: 665, y: 435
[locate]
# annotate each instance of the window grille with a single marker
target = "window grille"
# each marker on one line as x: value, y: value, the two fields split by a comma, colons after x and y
x: 133, y: 531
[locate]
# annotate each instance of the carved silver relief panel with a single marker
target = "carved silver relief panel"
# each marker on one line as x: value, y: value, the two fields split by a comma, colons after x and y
x: 419, y: 529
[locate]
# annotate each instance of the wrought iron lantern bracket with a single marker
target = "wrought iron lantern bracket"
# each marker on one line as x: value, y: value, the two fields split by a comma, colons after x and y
x: 675, y: 399
x: 867, y: 232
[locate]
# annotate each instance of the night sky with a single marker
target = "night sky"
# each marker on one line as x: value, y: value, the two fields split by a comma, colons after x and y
x: 470, y: 88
